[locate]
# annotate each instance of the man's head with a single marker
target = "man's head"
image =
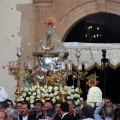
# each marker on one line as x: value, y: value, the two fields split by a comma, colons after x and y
x: 12, y: 114
x: 19, y: 106
x: 71, y: 104
x: 108, y: 112
x: 9, y: 102
x: 50, y: 113
x: 88, y: 111
x: 25, y: 109
x: 64, y: 107
x: 57, y: 105
x: 38, y: 106
x: 48, y: 104
x: 3, y: 106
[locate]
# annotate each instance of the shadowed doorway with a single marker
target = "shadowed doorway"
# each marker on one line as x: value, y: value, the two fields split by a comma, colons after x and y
x: 99, y: 28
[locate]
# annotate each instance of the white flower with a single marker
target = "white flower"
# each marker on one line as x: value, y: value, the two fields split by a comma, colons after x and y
x: 21, y: 99
x: 38, y: 96
x: 32, y: 106
x: 51, y: 94
x: 18, y: 99
x: 76, y: 90
x: 43, y: 100
x: 24, y: 94
x: 34, y: 93
x: 50, y: 87
x: 75, y: 95
x: 72, y: 86
x: 66, y: 87
x: 56, y: 93
x: 72, y: 90
x: 32, y: 97
x: 45, y: 86
x: 53, y: 100
x: 57, y: 97
x: 38, y: 92
x: 56, y: 88
x: 94, y: 96
x: 43, y: 95
x: 26, y: 89
x: 29, y: 93
x: 69, y: 92
x: 27, y: 98
x: 76, y: 103
x: 31, y: 101
x: 33, y: 88
x: 68, y: 97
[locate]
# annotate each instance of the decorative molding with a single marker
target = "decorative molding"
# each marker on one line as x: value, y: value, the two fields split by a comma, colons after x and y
x: 101, y: 5
x: 43, y: 3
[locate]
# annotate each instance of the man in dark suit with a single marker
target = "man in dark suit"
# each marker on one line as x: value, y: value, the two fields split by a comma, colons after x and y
x: 64, y: 107
x: 38, y: 112
x: 25, y: 110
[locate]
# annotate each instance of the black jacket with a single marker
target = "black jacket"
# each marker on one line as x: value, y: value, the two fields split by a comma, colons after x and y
x: 30, y: 117
x: 67, y: 117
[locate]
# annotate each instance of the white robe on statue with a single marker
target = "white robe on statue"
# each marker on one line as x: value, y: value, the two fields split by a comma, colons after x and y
x: 3, y: 94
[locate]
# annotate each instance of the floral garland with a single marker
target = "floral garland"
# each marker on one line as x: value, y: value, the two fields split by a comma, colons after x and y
x: 48, y: 93
x: 94, y: 97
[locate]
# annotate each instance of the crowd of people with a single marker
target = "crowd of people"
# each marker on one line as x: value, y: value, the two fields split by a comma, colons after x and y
x: 58, y: 111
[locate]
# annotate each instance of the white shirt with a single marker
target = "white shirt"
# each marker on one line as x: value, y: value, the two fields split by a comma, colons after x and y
x: 3, y: 94
x: 25, y: 118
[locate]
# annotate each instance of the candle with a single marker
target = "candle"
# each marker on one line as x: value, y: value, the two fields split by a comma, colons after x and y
x: 63, y: 65
x: 10, y: 64
x: 19, y: 51
x: 78, y: 53
x: 51, y: 66
x: 69, y: 66
x: 79, y: 66
x: 85, y: 65
x: 28, y: 65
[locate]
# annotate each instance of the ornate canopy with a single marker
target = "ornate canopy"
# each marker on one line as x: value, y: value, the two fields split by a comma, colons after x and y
x: 92, y: 53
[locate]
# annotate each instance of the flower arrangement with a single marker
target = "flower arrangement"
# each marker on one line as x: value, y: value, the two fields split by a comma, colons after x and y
x: 48, y: 93
x: 94, y: 97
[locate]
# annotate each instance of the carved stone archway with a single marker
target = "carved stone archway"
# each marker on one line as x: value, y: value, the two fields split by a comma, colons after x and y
x: 79, y: 11
x: 65, y: 12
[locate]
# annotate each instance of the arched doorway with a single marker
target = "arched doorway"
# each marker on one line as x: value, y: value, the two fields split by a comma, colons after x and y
x: 99, y: 28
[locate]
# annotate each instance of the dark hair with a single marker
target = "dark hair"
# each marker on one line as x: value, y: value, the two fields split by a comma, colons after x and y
x: 108, y: 97
x: 4, y: 104
x: 49, y: 102
x: 14, y: 114
x: 108, y: 111
x: 88, y: 111
x: 7, y: 100
x: 38, y: 101
x: 57, y: 102
x: 19, y: 102
x: 26, y: 103
x: 71, y: 101
x: 64, y: 107
x: 50, y: 112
